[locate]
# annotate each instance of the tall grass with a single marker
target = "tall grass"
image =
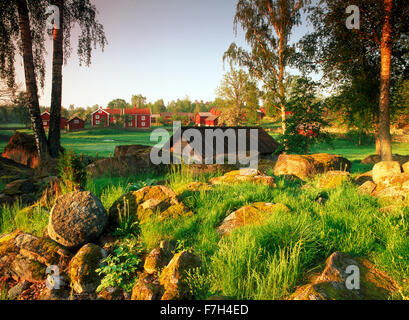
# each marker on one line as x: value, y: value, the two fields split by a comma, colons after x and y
x: 32, y: 220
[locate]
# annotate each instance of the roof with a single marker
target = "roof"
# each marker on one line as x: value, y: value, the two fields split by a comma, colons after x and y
x: 137, y: 111
x: 113, y: 111
x: 155, y: 115
x: 205, y: 114
x: 211, y: 118
x: 266, y: 143
x: 75, y: 118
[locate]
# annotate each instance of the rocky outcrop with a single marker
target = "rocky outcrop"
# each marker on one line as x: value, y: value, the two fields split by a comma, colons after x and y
x: 81, y: 270
x: 25, y: 257
x: 307, y: 166
x: 244, y: 175
x: 145, y: 202
x: 22, y: 149
x: 76, y: 219
x: 335, y: 283
x: 253, y: 214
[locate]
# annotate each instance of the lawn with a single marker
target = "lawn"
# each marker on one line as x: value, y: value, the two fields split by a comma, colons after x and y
x: 104, y: 141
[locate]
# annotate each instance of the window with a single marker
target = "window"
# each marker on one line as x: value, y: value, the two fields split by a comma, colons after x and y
x: 143, y: 124
x: 97, y: 122
x: 143, y: 118
x: 44, y: 123
x: 76, y: 121
x: 97, y: 117
x: 130, y: 124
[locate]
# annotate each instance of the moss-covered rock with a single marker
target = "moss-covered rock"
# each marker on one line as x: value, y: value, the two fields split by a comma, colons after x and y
x: 147, y: 288
x: 158, y: 258
x: 333, y: 179
x: 244, y: 175
x: 385, y: 168
x: 307, y: 166
x: 195, y: 186
x: 396, y: 180
x: 253, y: 214
x: 111, y: 293
x: 146, y: 202
x: 367, y: 188
x: 173, y: 277
x: 81, y: 269
x: 77, y: 218
x: 331, y: 284
x: 405, y: 167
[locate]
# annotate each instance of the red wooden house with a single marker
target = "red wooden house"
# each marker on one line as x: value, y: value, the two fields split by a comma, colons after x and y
x: 76, y: 124
x: 133, y: 118
x: 45, y: 118
x: 137, y: 118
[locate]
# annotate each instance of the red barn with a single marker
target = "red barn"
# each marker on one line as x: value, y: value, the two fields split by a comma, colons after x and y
x: 76, y: 124
x: 45, y: 118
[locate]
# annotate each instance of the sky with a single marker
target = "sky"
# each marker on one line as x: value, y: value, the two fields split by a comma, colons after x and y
x: 163, y: 49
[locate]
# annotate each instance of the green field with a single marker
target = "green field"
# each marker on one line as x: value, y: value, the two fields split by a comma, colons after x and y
x: 104, y: 141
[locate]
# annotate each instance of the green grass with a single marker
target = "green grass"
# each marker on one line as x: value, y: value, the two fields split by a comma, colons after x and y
x: 267, y: 261
x: 16, y: 217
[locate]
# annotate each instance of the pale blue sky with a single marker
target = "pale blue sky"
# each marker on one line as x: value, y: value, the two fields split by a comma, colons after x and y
x: 161, y: 48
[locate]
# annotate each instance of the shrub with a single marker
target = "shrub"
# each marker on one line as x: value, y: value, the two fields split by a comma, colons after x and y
x: 120, y: 266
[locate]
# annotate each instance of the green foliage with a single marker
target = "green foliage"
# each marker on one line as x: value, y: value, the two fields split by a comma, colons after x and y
x: 32, y: 220
x: 304, y: 126
x: 120, y: 266
x: 141, y: 184
x: 72, y: 171
x: 127, y: 223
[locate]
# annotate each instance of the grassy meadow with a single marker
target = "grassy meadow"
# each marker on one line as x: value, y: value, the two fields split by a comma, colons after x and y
x: 267, y: 261
x: 255, y: 262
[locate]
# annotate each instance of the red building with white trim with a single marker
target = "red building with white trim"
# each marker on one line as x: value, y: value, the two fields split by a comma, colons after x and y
x: 45, y: 118
x: 133, y: 118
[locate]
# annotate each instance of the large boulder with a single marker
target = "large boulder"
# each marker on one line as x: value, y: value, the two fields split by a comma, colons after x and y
x: 173, y: 277
x: 81, y: 270
x: 127, y: 160
x: 76, y: 218
x: 253, y: 214
x: 11, y: 170
x: 385, y: 168
x: 244, y: 175
x: 307, y: 166
x: 22, y: 149
x: 396, y: 180
x: 332, y: 283
x: 145, y: 202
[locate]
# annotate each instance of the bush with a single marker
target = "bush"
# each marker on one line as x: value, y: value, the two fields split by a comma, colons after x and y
x: 120, y: 266
x: 72, y: 171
